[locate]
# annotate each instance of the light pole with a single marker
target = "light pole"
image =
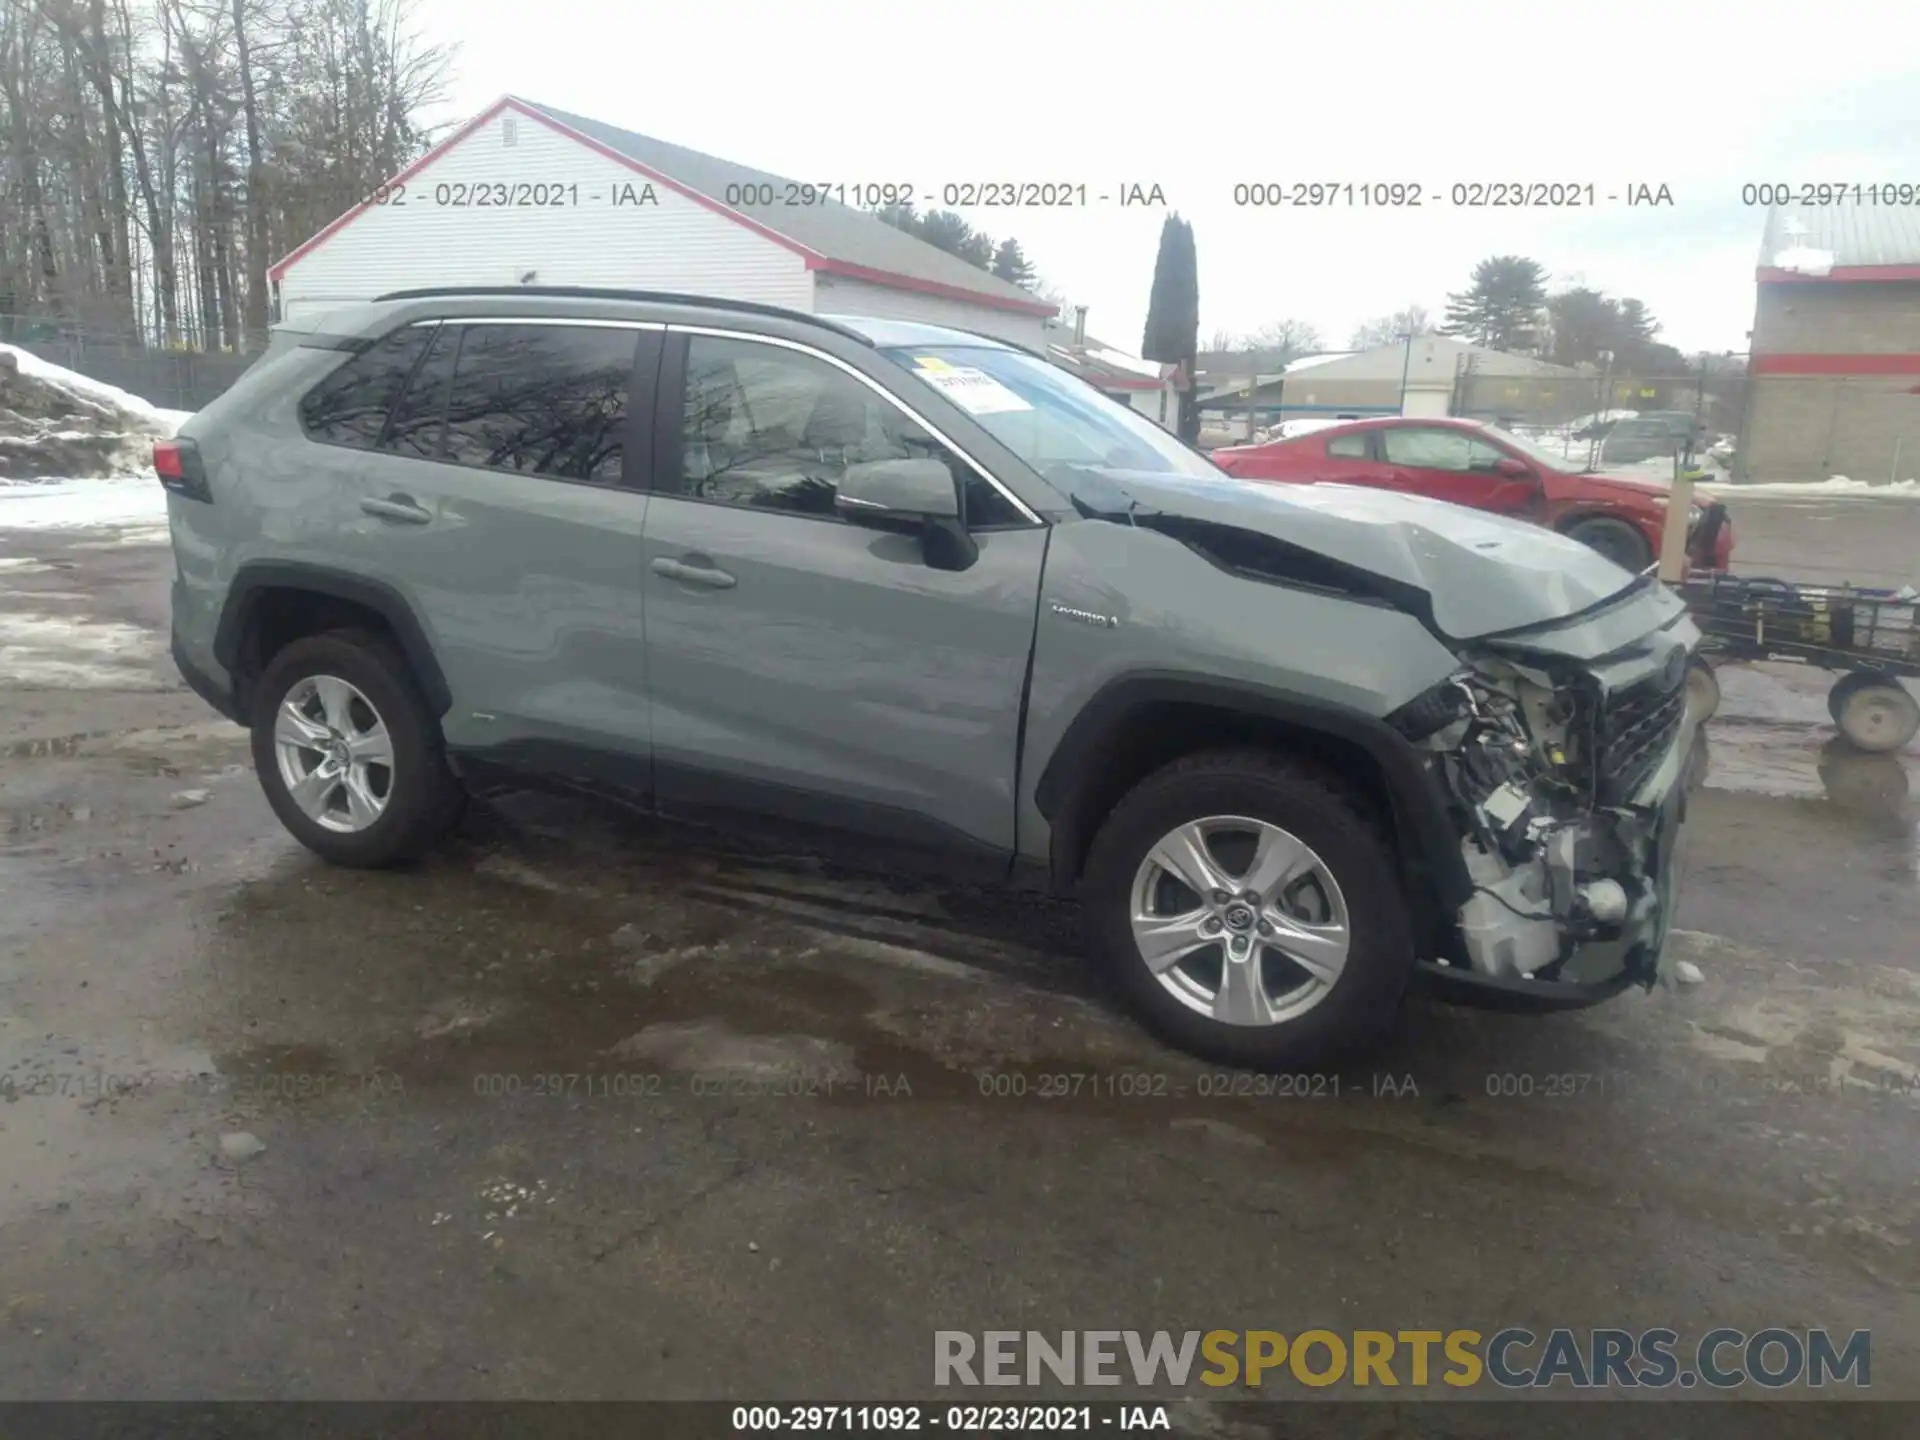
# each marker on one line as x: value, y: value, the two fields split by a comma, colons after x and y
x: 1406, y: 367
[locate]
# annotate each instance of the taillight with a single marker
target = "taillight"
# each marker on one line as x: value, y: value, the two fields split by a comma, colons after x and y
x: 177, y: 463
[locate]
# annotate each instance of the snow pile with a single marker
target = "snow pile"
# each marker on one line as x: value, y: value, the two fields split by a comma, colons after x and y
x: 56, y: 423
x: 1835, y: 485
x: 1602, y: 417
x: 1804, y: 260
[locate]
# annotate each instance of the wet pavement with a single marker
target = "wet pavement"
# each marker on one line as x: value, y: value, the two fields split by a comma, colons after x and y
x: 589, y: 1107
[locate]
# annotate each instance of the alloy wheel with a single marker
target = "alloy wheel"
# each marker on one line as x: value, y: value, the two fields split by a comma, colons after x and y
x: 1240, y: 921
x: 334, y: 752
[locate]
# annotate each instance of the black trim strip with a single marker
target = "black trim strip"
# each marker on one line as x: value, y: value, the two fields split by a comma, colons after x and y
x: 643, y: 402
x: 904, y: 839
x: 651, y: 297
x: 1457, y: 986
x: 202, y: 684
x: 253, y: 581
x: 1421, y: 811
x: 669, y: 415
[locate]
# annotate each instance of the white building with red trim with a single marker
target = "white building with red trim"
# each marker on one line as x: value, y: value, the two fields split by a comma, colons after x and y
x: 526, y: 194
x: 1835, y: 349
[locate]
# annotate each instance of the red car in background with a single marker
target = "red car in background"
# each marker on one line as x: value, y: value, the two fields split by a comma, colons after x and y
x: 1486, y: 468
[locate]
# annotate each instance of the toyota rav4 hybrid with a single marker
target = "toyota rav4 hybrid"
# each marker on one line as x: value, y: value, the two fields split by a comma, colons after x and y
x: 1471, y: 463
x: 1290, y: 747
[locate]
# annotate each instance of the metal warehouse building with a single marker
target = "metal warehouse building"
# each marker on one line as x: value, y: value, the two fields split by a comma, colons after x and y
x: 1836, y: 346
x: 526, y: 194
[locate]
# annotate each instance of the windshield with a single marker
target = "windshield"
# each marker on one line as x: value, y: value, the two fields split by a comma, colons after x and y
x: 1538, y: 454
x: 1048, y: 417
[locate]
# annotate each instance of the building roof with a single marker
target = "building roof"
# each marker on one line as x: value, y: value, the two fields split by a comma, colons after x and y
x: 1833, y: 242
x: 831, y: 230
x: 834, y: 239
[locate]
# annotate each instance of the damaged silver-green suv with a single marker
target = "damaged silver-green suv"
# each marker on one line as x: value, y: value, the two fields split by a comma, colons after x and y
x: 923, y: 594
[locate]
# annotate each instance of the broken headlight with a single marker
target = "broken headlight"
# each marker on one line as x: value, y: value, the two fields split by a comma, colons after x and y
x: 1506, y: 742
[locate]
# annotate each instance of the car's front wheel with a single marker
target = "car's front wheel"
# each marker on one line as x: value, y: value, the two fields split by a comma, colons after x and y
x: 1615, y: 539
x: 1249, y: 911
x: 348, y: 752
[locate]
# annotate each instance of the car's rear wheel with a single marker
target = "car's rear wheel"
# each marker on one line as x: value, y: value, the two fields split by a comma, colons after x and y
x: 1249, y: 911
x: 1615, y: 539
x: 348, y: 752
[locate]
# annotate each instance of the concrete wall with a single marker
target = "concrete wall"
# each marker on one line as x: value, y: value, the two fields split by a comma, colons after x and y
x: 1837, y: 317
x: 1808, y: 427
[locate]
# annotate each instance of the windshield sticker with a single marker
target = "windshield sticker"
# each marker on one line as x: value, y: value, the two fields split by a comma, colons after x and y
x: 974, y: 391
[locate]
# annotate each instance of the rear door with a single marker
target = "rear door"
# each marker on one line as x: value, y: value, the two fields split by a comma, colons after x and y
x: 1351, y: 457
x: 502, y: 496
x: 808, y: 669
x: 1451, y: 464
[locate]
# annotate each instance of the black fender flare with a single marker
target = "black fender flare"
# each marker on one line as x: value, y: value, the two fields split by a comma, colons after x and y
x: 1422, y: 816
x: 257, y: 578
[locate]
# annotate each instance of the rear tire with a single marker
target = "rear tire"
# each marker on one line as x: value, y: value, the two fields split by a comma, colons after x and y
x: 1335, y: 901
x: 1615, y: 539
x: 340, y: 717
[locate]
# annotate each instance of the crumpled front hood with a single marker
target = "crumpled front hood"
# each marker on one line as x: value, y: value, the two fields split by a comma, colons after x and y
x: 1481, y: 573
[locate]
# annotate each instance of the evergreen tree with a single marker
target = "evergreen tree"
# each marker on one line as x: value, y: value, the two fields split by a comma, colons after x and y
x: 1173, y: 313
x: 1011, y: 264
x: 1499, y: 307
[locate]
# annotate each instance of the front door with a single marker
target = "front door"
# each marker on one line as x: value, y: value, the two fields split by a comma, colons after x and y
x: 1450, y: 464
x: 494, y: 488
x: 806, y: 668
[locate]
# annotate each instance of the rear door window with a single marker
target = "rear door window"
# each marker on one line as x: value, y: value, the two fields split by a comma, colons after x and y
x: 350, y: 406
x: 541, y: 400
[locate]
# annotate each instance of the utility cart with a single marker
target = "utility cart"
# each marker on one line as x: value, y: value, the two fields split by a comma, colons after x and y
x: 1870, y: 637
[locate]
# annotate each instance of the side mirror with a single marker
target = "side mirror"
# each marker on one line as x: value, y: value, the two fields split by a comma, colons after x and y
x: 910, y: 495
x: 888, y: 492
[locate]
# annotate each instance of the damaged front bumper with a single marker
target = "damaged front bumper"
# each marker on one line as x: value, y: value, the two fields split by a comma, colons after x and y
x: 1572, y: 802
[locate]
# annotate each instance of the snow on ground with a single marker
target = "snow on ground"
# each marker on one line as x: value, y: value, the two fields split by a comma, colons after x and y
x: 163, y: 422
x: 1831, y: 488
x: 81, y: 504
x: 68, y: 652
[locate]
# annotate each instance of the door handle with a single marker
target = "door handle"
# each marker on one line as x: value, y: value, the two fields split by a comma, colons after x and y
x: 397, y: 507
x: 709, y: 576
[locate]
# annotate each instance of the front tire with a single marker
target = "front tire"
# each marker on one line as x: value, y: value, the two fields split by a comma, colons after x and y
x: 1249, y: 911
x: 1615, y: 539
x: 348, y: 752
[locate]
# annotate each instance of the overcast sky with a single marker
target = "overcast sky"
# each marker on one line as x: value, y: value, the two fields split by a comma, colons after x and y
x: 1702, y: 97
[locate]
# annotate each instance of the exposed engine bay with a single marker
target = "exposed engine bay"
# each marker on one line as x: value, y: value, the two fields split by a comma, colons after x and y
x: 1563, y: 785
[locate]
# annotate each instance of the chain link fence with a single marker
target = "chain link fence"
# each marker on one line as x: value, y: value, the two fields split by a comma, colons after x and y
x: 173, y: 379
x: 1758, y: 429
x: 1616, y: 421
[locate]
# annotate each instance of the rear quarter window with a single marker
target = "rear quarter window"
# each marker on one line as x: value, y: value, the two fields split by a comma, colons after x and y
x: 1351, y: 446
x: 349, y: 407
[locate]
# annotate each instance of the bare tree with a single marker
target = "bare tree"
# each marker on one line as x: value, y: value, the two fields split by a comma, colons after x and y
x: 156, y: 155
x: 1384, y: 330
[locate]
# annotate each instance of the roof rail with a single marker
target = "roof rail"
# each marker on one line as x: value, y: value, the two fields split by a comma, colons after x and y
x: 663, y: 297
